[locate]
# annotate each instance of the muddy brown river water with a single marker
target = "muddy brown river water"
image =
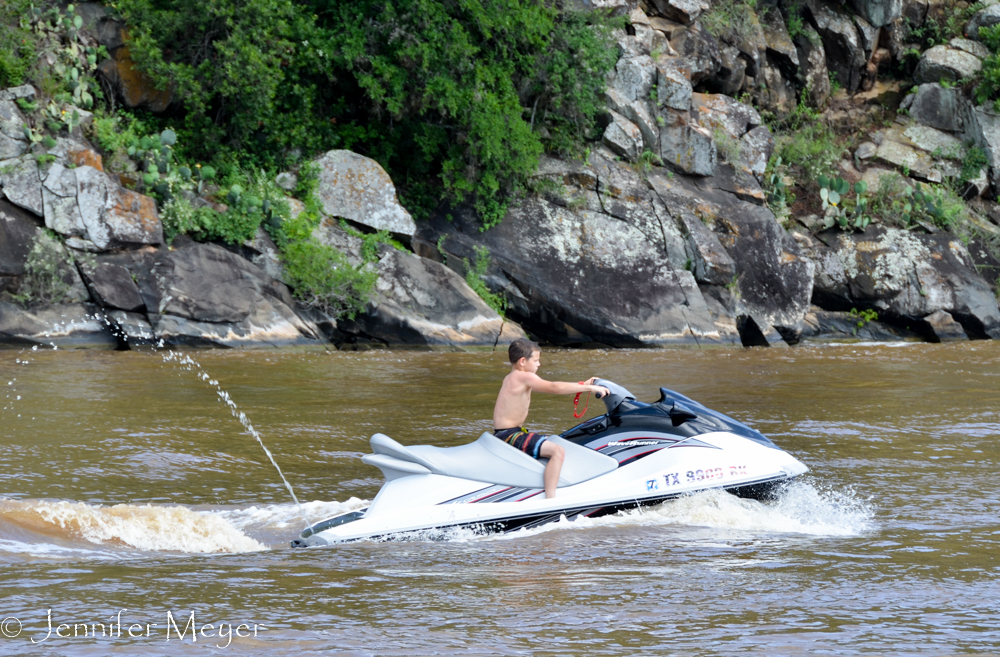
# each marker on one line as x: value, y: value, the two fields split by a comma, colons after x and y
x: 131, y: 501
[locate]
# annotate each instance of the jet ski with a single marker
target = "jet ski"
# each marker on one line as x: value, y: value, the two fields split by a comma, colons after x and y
x: 637, y: 454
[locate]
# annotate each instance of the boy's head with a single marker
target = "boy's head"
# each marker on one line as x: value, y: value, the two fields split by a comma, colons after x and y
x: 522, y: 348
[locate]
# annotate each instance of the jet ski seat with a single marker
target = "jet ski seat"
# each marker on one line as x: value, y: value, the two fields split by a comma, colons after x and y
x: 488, y: 460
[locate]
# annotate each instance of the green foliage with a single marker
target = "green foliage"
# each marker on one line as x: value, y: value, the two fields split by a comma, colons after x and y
x: 989, y: 84
x: 794, y: 21
x: 732, y: 21
x: 838, y: 209
x: 973, y: 163
x: 46, y: 271
x: 727, y: 146
x: 933, y: 32
x: 178, y: 216
x: 937, y: 205
x: 450, y: 97
x: 475, y: 276
x: 322, y: 278
x: 17, y: 42
x: 647, y: 159
x: 863, y: 317
x: 371, y: 241
x: 70, y: 79
x: 811, y: 146
x: 774, y: 186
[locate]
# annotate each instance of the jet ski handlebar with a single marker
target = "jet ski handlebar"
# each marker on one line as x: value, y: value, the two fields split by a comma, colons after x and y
x: 617, y: 394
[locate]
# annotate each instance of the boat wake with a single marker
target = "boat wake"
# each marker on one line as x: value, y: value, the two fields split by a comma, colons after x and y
x: 44, y: 529
x: 802, y: 507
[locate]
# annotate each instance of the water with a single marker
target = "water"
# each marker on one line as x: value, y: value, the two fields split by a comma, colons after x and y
x: 129, y: 490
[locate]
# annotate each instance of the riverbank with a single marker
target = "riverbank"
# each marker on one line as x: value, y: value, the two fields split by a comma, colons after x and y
x: 733, y: 198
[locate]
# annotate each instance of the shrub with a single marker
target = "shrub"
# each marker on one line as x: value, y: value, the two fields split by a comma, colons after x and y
x: 475, y: 277
x: 732, y: 21
x: 813, y: 147
x: 322, y: 278
x: 46, y: 272
x: 448, y: 97
x: 17, y: 43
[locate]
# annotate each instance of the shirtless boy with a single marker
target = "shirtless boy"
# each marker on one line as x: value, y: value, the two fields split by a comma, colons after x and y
x: 514, y: 399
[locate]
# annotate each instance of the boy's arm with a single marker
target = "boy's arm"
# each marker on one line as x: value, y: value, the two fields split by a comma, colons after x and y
x: 537, y: 383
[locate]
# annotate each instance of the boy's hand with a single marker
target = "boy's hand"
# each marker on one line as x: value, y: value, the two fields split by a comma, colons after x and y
x: 590, y: 381
x: 600, y: 391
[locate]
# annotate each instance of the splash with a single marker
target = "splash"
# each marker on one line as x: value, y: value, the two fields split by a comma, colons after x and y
x: 280, y: 516
x: 803, y: 507
x: 143, y: 527
x: 191, y: 364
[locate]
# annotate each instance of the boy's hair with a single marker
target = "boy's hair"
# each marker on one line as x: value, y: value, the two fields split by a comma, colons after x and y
x: 521, y: 348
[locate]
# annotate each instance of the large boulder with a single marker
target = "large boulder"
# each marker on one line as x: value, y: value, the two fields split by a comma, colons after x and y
x: 700, y: 57
x: 682, y: 11
x: 204, y: 295
x: 623, y: 137
x: 17, y: 237
x: 357, y: 188
x: 946, y: 63
x: 987, y: 17
x: 111, y: 284
x: 73, y: 326
x: 686, y: 147
x: 845, y: 55
x: 812, y: 58
x: 21, y: 184
x: 419, y: 302
x: 907, y: 276
x: 936, y: 106
x: 114, y: 216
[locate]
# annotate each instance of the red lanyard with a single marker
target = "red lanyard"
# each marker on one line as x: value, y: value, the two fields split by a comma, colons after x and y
x: 576, y: 403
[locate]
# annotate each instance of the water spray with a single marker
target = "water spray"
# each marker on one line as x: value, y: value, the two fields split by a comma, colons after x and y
x: 224, y: 397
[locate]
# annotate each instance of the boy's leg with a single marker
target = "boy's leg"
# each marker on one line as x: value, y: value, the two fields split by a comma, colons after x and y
x: 555, y: 454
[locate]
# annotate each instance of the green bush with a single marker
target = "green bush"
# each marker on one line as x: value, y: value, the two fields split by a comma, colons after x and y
x: 475, y: 277
x: 17, y: 43
x: 732, y: 21
x: 322, y: 278
x: 46, y: 272
x: 450, y: 97
x: 813, y: 147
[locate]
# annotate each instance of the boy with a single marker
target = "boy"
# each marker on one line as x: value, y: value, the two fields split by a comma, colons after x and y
x: 512, y: 408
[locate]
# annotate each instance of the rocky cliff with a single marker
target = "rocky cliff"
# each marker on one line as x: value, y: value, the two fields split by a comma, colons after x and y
x: 663, y: 234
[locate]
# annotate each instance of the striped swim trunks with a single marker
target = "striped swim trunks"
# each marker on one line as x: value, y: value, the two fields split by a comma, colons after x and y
x: 522, y: 439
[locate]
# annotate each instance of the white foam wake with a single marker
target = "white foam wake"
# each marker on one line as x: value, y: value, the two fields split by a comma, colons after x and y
x: 801, y: 508
x: 143, y: 527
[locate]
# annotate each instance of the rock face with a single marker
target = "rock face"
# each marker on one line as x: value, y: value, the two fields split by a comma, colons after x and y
x: 878, y: 12
x: 906, y: 277
x: 844, y: 53
x: 204, y: 295
x: 627, y: 260
x: 420, y: 302
x: 357, y: 188
x: 774, y: 281
x: 17, y: 236
x: 65, y: 326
